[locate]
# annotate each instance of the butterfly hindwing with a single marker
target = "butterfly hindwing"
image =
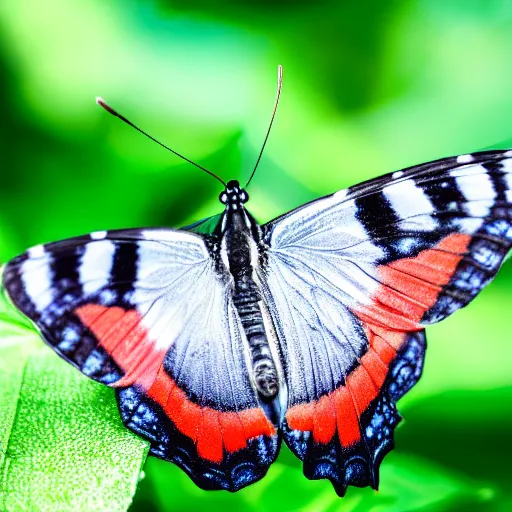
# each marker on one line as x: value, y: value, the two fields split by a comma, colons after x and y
x: 353, y: 278
x: 350, y: 454
x: 146, y: 312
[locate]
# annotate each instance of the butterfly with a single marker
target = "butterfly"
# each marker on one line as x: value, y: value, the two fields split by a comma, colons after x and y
x: 228, y: 337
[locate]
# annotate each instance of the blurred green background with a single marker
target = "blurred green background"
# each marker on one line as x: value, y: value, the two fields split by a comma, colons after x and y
x: 369, y: 87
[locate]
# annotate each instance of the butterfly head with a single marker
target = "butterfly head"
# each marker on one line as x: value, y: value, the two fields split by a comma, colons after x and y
x: 233, y: 196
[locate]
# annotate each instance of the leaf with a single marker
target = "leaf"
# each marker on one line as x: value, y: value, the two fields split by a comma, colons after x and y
x: 62, y: 443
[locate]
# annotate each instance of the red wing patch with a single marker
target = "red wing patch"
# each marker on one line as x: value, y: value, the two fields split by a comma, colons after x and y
x: 340, y: 410
x: 121, y: 334
x: 213, y: 431
x: 411, y: 286
x: 123, y: 337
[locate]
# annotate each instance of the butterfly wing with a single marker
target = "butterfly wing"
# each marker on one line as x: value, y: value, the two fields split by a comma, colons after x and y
x: 149, y: 313
x: 352, y: 279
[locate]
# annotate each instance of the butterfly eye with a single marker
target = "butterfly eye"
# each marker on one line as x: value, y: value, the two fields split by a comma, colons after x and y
x: 223, y: 198
x: 244, y: 197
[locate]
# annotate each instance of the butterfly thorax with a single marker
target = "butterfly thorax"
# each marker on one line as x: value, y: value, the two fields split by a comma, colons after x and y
x: 240, y: 236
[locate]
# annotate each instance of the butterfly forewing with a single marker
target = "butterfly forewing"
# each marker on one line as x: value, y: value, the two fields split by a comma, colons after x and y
x: 145, y: 311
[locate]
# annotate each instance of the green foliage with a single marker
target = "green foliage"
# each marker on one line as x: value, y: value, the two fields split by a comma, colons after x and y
x: 408, y: 483
x: 62, y: 444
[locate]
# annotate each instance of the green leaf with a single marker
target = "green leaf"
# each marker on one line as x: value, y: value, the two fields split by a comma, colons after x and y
x: 62, y: 443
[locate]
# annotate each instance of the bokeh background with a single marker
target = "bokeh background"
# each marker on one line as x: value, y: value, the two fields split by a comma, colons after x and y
x: 369, y: 87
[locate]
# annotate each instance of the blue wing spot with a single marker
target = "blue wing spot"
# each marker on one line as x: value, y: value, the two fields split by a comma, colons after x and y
x: 93, y: 363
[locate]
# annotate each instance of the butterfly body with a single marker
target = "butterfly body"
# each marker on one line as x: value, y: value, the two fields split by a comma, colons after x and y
x: 307, y: 329
x: 239, y: 238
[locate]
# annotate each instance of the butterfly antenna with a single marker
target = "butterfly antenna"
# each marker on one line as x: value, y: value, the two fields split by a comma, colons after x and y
x: 102, y: 103
x: 278, y: 94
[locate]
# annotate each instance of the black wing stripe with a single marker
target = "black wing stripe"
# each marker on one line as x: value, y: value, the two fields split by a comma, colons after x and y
x: 377, y: 206
x: 124, y: 272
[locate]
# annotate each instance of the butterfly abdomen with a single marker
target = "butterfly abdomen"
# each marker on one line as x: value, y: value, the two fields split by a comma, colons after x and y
x: 241, y: 253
